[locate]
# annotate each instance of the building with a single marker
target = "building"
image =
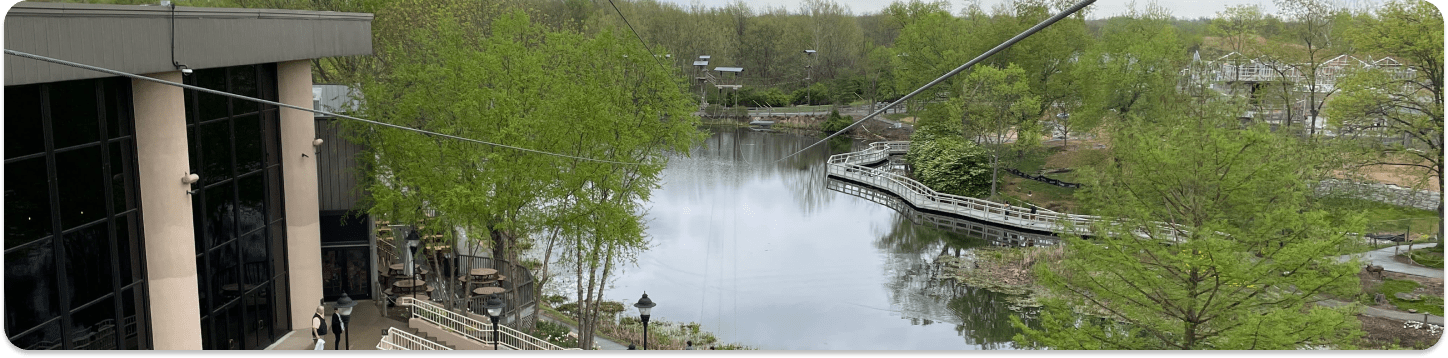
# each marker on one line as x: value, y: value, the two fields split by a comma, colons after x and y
x: 108, y: 245
x: 349, y: 245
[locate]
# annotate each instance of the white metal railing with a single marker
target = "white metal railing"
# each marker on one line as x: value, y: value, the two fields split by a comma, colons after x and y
x: 849, y: 166
x: 474, y: 329
x: 400, y: 340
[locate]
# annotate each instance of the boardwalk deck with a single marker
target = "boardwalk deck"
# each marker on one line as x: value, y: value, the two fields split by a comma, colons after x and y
x: 853, y: 167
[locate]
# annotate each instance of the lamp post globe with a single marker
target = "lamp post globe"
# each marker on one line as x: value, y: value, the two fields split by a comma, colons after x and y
x: 645, y: 305
x: 344, y: 308
x: 494, y: 307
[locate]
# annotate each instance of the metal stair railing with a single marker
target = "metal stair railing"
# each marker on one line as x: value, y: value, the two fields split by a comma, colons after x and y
x: 400, y: 340
x: 473, y: 329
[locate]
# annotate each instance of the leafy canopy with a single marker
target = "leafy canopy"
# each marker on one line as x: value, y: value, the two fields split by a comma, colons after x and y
x: 1242, y: 271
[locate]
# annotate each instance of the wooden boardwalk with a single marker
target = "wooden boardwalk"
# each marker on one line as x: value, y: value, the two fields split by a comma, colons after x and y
x: 854, y: 167
x: 995, y: 234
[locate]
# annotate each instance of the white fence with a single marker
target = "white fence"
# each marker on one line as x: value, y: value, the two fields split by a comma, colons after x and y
x: 399, y: 340
x: 465, y: 326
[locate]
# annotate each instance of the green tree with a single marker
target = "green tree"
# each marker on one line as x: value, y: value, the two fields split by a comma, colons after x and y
x: 1404, y: 99
x: 1133, y: 67
x: 520, y: 84
x: 1237, y: 28
x: 1315, y: 25
x: 950, y: 164
x: 1001, y: 101
x: 1213, y: 244
x: 835, y: 122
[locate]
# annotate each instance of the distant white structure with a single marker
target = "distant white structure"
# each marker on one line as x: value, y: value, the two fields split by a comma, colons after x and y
x: 335, y: 99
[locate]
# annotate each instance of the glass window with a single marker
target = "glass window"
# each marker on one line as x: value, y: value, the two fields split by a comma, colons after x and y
x: 27, y: 201
x: 243, y: 82
x: 254, y: 254
x: 73, y: 114
x: 45, y: 338
x: 88, y: 267
x: 128, y: 253
x: 220, y: 218
x: 22, y: 115
x: 215, y: 152
x: 31, y: 293
x: 81, y: 181
x: 118, y: 101
x: 121, y: 158
x: 274, y: 193
x: 251, y: 191
x: 133, y: 333
x: 248, y: 144
x: 239, y: 198
x: 63, y: 270
x: 281, y: 311
x: 211, y: 106
x: 95, y: 326
x: 224, y: 284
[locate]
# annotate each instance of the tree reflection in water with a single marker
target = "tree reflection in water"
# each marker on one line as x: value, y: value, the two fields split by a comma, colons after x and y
x: 980, y: 316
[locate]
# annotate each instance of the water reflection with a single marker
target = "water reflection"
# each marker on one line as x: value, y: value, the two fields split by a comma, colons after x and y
x: 980, y: 317
x: 767, y: 255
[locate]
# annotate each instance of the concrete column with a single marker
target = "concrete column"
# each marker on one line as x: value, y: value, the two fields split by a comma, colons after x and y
x: 299, y: 174
x: 162, y: 161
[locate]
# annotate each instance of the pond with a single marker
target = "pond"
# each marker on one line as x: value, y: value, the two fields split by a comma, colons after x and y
x: 767, y: 255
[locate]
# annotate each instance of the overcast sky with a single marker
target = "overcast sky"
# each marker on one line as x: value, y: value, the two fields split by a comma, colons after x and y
x: 1102, y: 8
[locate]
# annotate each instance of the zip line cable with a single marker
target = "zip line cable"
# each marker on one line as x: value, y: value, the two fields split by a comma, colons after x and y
x: 636, y: 33
x: 952, y: 73
x: 279, y: 104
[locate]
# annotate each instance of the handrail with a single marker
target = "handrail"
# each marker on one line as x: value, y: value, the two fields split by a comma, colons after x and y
x: 400, y: 340
x: 473, y: 329
x: 849, y: 166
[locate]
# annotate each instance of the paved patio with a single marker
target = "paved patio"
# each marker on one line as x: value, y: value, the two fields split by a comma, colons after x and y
x: 367, y: 326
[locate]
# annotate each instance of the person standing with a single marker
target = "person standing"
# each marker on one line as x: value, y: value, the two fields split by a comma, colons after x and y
x: 689, y: 345
x: 337, y: 328
x: 319, y: 327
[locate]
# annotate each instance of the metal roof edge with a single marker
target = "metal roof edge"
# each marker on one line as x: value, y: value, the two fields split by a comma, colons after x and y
x: 102, y: 10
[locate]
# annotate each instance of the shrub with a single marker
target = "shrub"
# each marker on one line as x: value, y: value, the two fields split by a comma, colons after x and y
x: 951, y: 165
x: 570, y: 308
x: 835, y: 122
x: 610, y: 308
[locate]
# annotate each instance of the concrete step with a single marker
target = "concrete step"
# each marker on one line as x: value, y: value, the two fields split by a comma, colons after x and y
x: 429, y: 337
x: 453, y: 340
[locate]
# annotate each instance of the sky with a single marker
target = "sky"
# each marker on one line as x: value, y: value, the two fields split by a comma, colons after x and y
x: 1102, y: 8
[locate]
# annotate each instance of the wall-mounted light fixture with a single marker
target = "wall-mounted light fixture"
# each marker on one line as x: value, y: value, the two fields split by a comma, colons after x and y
x: 188, y: 179
x: 315, y: 143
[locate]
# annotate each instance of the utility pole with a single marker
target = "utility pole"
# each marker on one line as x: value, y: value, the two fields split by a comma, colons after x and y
x: 809, y: 75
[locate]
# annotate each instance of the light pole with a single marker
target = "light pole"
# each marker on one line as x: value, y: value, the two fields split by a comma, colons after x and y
x: 494, y: 306
x: 344, y: 308
x: 413, y: 242
x: 809, y: 90
x: 644, y: 305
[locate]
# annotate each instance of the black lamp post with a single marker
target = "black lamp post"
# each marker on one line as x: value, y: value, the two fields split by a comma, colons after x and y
x: 413, y: 242
x: 644, y: 305
x: 344, y: 308
x: 494, y: 306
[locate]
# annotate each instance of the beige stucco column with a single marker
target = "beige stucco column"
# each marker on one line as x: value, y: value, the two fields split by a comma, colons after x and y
x: 304, y: 233
x: 162, y: 160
